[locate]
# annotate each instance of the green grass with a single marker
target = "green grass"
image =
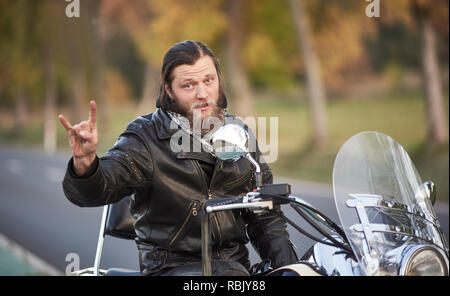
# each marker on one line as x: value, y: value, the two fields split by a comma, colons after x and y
x: 399, y: 115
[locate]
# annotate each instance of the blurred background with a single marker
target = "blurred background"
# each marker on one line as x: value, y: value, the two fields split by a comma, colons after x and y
x: 326, y: 69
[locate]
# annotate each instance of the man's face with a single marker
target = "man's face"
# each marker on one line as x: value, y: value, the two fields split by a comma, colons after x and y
x: 196, y: 88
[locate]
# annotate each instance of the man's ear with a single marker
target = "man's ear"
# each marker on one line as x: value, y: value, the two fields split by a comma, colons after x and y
x: 167, y: 89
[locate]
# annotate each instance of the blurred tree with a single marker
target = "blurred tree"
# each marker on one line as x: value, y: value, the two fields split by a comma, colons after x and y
x: 98, y: 34
x: 425, y: 12
x: 78, y: 51
x: 269, y: 44
x: 122, y: 57
x: 50, y: 103
x: 75, y: 47
x: 50, y: 35
x: 156, y: 25
x: 338, y: 31
x: 19, y: 69
x: 315, y: 87
x: 134, y: 18
x: 71, y: 58
x: 241, y: 92
x: 427, y: 17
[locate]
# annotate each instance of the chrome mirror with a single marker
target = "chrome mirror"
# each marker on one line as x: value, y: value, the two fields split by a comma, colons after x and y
x: 427, y: 190
x: 231, y: 141
x: 431, y: 188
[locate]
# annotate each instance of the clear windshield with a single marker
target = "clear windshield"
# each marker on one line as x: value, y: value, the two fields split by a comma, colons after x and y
x: 380, y: 200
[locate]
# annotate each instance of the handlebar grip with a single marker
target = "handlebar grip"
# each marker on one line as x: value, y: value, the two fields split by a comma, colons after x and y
x: 222, y: 201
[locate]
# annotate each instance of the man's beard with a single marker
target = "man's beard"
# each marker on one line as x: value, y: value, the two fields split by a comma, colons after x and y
x: 216, y: 117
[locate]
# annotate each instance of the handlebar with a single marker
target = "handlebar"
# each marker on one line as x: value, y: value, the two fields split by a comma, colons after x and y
x: 260, y: 201
x: 250, y: 201
x: 264, y: 198
x: 257, y: 205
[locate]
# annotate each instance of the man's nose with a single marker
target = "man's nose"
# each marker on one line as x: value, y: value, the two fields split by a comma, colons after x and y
x: 201, y: 92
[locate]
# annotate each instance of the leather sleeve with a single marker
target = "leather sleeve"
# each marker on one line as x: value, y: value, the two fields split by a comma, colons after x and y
x: 267, y: 231
x: 126, y: 167
x: 270, y: 238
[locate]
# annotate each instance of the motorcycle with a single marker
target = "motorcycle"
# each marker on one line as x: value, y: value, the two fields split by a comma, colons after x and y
x: 388, y: 224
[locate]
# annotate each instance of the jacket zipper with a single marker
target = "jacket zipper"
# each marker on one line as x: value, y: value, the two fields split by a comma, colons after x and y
x: 193, y: 211
x: 209, y: 194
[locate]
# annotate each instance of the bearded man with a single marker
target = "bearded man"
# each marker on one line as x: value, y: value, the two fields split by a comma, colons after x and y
x: 169, y: 185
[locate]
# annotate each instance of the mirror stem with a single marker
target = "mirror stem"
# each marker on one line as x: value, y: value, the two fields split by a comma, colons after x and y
x: 258, y: 175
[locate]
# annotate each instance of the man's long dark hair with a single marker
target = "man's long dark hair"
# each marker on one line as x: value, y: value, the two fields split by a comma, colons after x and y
x: 185, y: 53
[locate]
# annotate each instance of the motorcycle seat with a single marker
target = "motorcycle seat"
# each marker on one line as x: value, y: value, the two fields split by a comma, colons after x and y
x: 120, y: 222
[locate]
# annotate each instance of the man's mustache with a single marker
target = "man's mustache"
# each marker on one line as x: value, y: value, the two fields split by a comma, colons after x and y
x: 210, y: 102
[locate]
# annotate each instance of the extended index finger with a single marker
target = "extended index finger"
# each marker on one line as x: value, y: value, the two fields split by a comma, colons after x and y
x: 93, y: 112
x: 64, y: 122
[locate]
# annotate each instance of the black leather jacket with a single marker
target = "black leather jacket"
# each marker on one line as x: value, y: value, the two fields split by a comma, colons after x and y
x: 169, y: 188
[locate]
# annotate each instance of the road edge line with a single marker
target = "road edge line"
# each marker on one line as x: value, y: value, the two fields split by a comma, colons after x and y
x: 28, y: 257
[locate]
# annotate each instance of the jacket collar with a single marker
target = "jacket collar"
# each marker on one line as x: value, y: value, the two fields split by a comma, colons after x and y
x: 162, y: 123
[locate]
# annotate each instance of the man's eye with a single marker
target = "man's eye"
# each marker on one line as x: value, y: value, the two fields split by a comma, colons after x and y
x: 187, y: 86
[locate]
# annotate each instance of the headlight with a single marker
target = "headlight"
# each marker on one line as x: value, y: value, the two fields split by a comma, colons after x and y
x: 425, y: 261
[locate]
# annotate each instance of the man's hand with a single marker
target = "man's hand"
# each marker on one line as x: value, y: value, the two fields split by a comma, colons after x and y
x: 83, y: 140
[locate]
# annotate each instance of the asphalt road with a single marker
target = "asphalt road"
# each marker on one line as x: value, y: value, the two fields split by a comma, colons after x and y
x: 35, y: 214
